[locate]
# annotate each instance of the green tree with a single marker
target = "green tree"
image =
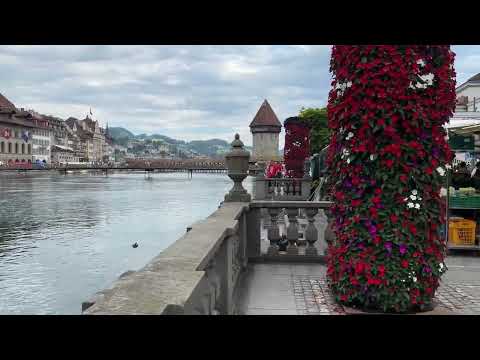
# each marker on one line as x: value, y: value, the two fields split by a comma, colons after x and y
x: 319, y: 133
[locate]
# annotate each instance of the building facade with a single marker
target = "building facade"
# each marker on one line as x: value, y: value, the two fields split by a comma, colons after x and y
x: 16, y: 129
x: 63, y: 155
x: 468, y: 95
x: 41, y: 138
x: 265, y: 129
x: 88, y: 139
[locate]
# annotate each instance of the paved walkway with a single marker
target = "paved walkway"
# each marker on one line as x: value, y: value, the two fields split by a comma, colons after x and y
x: 301, y: 289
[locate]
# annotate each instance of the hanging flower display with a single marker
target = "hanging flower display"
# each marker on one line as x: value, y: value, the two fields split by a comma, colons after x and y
x: 297, y: 146
x: 386, y: 110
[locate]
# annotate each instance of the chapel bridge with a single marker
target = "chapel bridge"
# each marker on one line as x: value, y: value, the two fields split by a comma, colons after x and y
x: 147, y: 166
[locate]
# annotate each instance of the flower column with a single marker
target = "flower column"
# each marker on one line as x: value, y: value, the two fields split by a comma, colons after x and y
x: 386, y: 111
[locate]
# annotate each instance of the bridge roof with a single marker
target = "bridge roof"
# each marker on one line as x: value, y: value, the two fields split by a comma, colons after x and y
x: 265, y: 117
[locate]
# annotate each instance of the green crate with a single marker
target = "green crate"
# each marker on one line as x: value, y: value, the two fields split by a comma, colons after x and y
x: 465, y: 202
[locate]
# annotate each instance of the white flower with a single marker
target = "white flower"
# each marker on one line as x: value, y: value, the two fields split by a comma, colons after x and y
x: 414, y: 279
x: 349, y: 136
x: 421, y: 62
x: 441, y: 266
x: 428, y: 78
x: 413, y: 197
x: 441, y: 171
x: 417, y: 206
x: 414, y: 192
x: 406, y: 199
x: 448, y: 166
x: 372, y: 157
x: 348, y: 161
x: 419, y: 199
x: 410, y: 205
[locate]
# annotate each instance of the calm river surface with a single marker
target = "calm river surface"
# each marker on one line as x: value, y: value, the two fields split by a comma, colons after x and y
x: 62, y: 238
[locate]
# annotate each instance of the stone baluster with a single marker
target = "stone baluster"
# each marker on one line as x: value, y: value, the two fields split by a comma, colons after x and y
x: 311, y: 232
x: 273, y: 231
x: 292, y: 231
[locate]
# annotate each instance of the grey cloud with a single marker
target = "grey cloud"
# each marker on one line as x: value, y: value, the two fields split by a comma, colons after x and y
x: 181, y: 91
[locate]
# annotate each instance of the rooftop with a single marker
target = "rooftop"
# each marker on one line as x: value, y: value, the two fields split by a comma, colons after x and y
x: 265, y: 117
x: 6, y: 104
x: 474, y: 78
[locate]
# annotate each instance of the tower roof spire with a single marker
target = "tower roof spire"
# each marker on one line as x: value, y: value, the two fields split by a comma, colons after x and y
x: 265, y: 116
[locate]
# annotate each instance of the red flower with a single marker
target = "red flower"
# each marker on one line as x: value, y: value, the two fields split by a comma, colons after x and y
x: 389, y: 163
x: 429, y: 171
x: 413, y: 229
x: 356, y: 202
x: 344, y: 298
x: 378, y: 191
x: 404, y: 264
x: 354, y: 281
x: 356, y: 218
x: 377, y: 240
x: 340, y: 196
x: 403, y: 178
x: 393, y: 218
x: 381, y: 270
x: 372, y: 281
x: 376, y: 200
x: 359, y: 268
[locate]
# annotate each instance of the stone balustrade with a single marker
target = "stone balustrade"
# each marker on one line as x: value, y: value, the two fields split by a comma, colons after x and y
x: 299, y: 227
x: 282, y: 189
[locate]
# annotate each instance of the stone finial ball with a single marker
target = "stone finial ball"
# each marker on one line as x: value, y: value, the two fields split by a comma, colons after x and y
x: 237, y: 137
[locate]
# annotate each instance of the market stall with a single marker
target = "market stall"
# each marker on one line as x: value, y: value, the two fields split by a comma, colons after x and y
x: 463, y: 190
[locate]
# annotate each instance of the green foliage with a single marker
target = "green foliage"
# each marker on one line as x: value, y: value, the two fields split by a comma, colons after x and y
x: 319, y: 133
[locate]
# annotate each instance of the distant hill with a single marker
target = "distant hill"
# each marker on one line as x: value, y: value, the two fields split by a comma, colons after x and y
x: 120, y: 133
x: 160, y: 137
x: 211, y: 148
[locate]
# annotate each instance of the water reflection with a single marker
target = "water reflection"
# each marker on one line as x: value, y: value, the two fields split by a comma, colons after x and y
x: 64, y: 237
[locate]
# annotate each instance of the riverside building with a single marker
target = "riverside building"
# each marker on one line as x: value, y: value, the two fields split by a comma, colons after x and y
x: 16, y: 134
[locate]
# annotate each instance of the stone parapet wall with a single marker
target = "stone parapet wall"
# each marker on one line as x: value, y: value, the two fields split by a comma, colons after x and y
x: 195, y: 275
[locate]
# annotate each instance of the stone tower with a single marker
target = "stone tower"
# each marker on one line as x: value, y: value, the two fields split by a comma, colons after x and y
x: 265, y: 129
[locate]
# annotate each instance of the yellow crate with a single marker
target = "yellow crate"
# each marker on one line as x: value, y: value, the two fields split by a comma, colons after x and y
x: 462, y: 231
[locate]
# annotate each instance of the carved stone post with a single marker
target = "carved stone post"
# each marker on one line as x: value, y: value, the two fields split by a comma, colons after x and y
x: 237, y: 165
x: 273, y: 231
x: 292, y: 231
x: 311, y: 233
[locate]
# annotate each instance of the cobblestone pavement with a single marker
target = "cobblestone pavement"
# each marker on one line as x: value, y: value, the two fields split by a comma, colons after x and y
x: 460, y: 297
x: 313, y: 298
x: 301, y: 289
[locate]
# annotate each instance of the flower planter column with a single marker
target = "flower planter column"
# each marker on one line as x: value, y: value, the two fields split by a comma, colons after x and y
x: 387, y: 108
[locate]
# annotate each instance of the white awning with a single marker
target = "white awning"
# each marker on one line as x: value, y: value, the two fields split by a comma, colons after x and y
x: 63, y: 148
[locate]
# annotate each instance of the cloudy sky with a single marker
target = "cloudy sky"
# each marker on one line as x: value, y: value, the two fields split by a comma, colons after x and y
x: 185, y: 92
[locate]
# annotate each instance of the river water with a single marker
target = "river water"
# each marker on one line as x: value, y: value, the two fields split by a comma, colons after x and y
x: 62, y: 238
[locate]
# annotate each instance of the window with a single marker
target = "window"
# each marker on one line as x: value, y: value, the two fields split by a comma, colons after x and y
x: 29, y: 149
x: 16, y: 148
x: 10, y: 148
x: 23, y: 148
x: 2, y: 147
